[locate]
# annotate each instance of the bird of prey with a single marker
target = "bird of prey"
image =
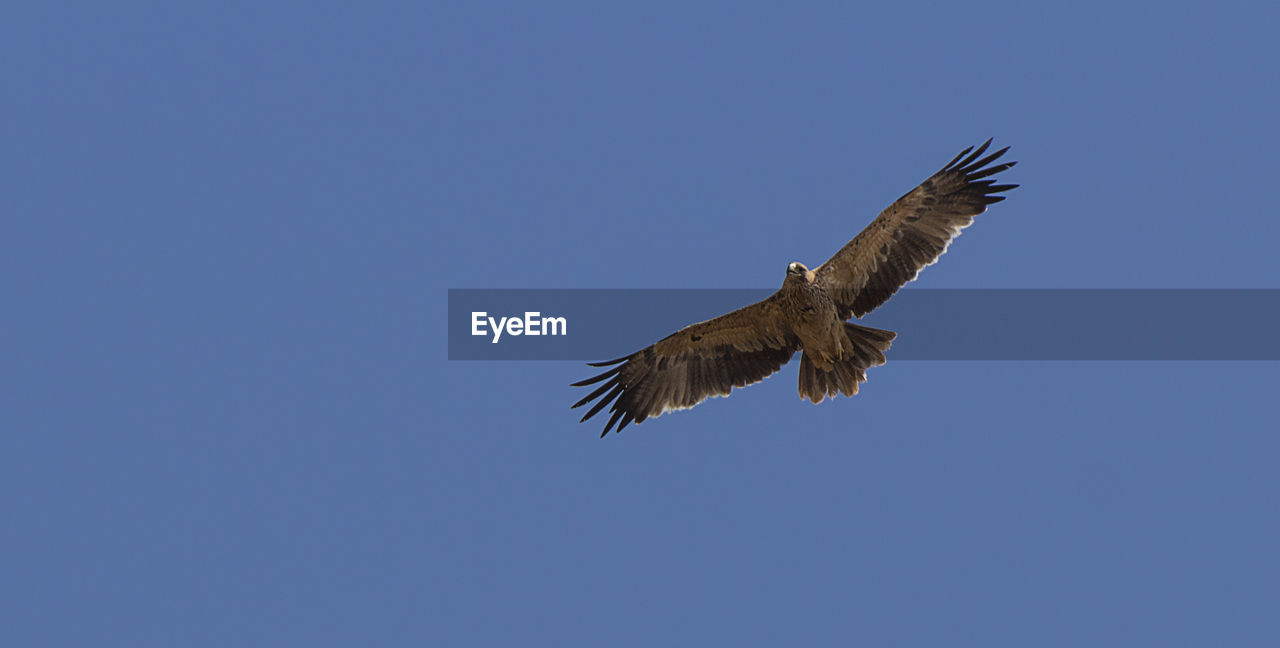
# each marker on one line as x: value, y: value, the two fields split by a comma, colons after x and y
x: 809, y: 312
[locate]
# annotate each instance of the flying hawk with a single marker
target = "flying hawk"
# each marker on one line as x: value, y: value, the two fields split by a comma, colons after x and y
x: 808, y: 313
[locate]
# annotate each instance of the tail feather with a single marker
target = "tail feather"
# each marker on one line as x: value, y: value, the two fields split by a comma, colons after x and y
x: 869, y: 345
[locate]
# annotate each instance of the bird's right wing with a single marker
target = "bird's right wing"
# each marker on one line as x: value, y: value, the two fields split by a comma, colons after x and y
x: 912, y: 232
x: 698, y: 361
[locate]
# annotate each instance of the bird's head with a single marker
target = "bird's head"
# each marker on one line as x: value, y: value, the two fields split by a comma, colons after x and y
x: 797, y: 270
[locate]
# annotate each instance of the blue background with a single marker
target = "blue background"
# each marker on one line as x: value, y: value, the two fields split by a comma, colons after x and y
x: 228, y: 418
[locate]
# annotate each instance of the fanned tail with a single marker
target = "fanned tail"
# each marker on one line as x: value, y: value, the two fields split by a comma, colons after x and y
x: 869, y: 345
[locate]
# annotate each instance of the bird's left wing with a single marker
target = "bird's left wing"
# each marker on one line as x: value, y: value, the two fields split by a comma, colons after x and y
x: 698, y: 361
x: 912, y: 233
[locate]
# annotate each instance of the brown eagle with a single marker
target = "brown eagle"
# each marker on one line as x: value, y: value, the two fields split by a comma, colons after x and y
x: 808, y: 313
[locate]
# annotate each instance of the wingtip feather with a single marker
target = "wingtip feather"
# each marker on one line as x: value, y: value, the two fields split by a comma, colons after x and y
x: 607, y: 363
x: 977, y: 166
x: 597, y: 378
x: 604, y: 400
x: 974, y: 155
x: 957, y: 158
x: 602, y: 389
x: 614, y: 419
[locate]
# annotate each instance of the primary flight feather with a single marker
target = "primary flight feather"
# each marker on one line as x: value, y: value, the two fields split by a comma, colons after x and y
x: 809, y: 312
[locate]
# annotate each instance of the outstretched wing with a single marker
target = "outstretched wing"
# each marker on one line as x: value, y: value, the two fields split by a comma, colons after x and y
x: 698, y: 361
x: 912, y: 232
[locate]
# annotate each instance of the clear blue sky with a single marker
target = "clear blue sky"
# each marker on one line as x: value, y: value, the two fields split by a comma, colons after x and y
x: 226, y: 416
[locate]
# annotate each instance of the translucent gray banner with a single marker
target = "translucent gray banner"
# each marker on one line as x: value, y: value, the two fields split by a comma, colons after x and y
x: 932, y: 324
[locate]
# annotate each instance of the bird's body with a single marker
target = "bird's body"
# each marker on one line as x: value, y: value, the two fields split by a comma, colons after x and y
x: 808, y: 313
x: 814, y: 317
